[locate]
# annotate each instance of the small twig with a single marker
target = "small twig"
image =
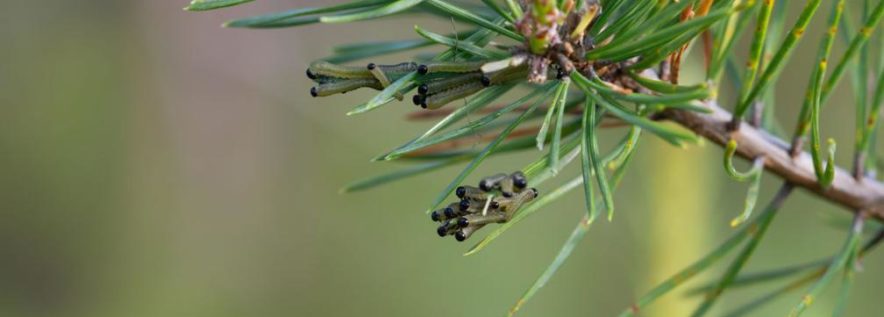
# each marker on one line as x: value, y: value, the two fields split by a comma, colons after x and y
x: 757, y: 113
x: 859, y: 164
x: 797, y: 169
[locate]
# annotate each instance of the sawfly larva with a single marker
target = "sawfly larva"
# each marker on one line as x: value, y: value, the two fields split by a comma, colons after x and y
x: 452, y: 67
x: 326, y: 69
x: 507, y: 184
x: 507, y: 188
x: 448, y: 83
x: 378, y: 74
x: 478, y: 219
x: 381, y: 76
x: 474, y: 206
x: 401, y: 68
x: 465, y: 233
x: 436, y: 101
x: 505, y: 75
x: 512, y: 204
x: 342, y: 86
x: 470, y: 192
x: 490, y: 183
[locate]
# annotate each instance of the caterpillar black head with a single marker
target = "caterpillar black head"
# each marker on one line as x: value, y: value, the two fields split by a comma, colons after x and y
x: 423, y: 69
x: 371, y: 66
x: 417, y: 100
x: 460, y: 191
x: 449, y: 212
x: 310, y: 74
x: 460, y: 236
x: 442, y: 230
x: 519, y: 180
x: 486, y: 81
x: 464, y: 205
x: 423, y: 89
x: 314, y: 92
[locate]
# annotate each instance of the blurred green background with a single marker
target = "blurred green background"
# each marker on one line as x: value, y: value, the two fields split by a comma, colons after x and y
x: 155, y: 164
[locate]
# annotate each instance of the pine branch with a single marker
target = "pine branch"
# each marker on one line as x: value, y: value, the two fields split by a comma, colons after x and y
x: 864, y: 195
x: 606, y: 51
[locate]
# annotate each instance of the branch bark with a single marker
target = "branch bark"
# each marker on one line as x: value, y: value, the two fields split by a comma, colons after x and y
x: 863, y: 195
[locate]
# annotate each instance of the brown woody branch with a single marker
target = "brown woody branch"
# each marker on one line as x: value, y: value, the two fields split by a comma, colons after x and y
x: 863, y: 195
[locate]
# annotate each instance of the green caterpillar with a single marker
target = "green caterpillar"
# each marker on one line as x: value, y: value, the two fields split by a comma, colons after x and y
x: 450, y: 67
x: 437, y: 100
x: 320, y: 69
x: 342, y: 86
x: 334, y: 79
x: 505, y: 75
x: 448, y: 83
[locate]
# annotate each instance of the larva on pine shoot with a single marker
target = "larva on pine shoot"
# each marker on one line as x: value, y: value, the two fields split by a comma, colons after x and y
x: 440, y: 99
x: 342, y: 86
x: 452, y: 67
x: 436, y: 86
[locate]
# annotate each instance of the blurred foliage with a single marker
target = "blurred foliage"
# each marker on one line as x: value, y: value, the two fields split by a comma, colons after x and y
x: 155, y: 165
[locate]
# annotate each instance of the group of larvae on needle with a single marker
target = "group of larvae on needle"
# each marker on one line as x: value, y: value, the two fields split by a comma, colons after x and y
x: 498, y: 197
x: 496, y: 200
x: 439, y: 83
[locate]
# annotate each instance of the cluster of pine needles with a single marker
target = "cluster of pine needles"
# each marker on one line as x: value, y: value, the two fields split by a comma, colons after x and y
x: 582, y: 66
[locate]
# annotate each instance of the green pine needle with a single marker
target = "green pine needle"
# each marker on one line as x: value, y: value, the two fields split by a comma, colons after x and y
x: 205, y: 5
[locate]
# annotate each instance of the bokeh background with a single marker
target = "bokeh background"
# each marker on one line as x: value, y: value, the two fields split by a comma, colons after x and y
x: 155, y: 164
